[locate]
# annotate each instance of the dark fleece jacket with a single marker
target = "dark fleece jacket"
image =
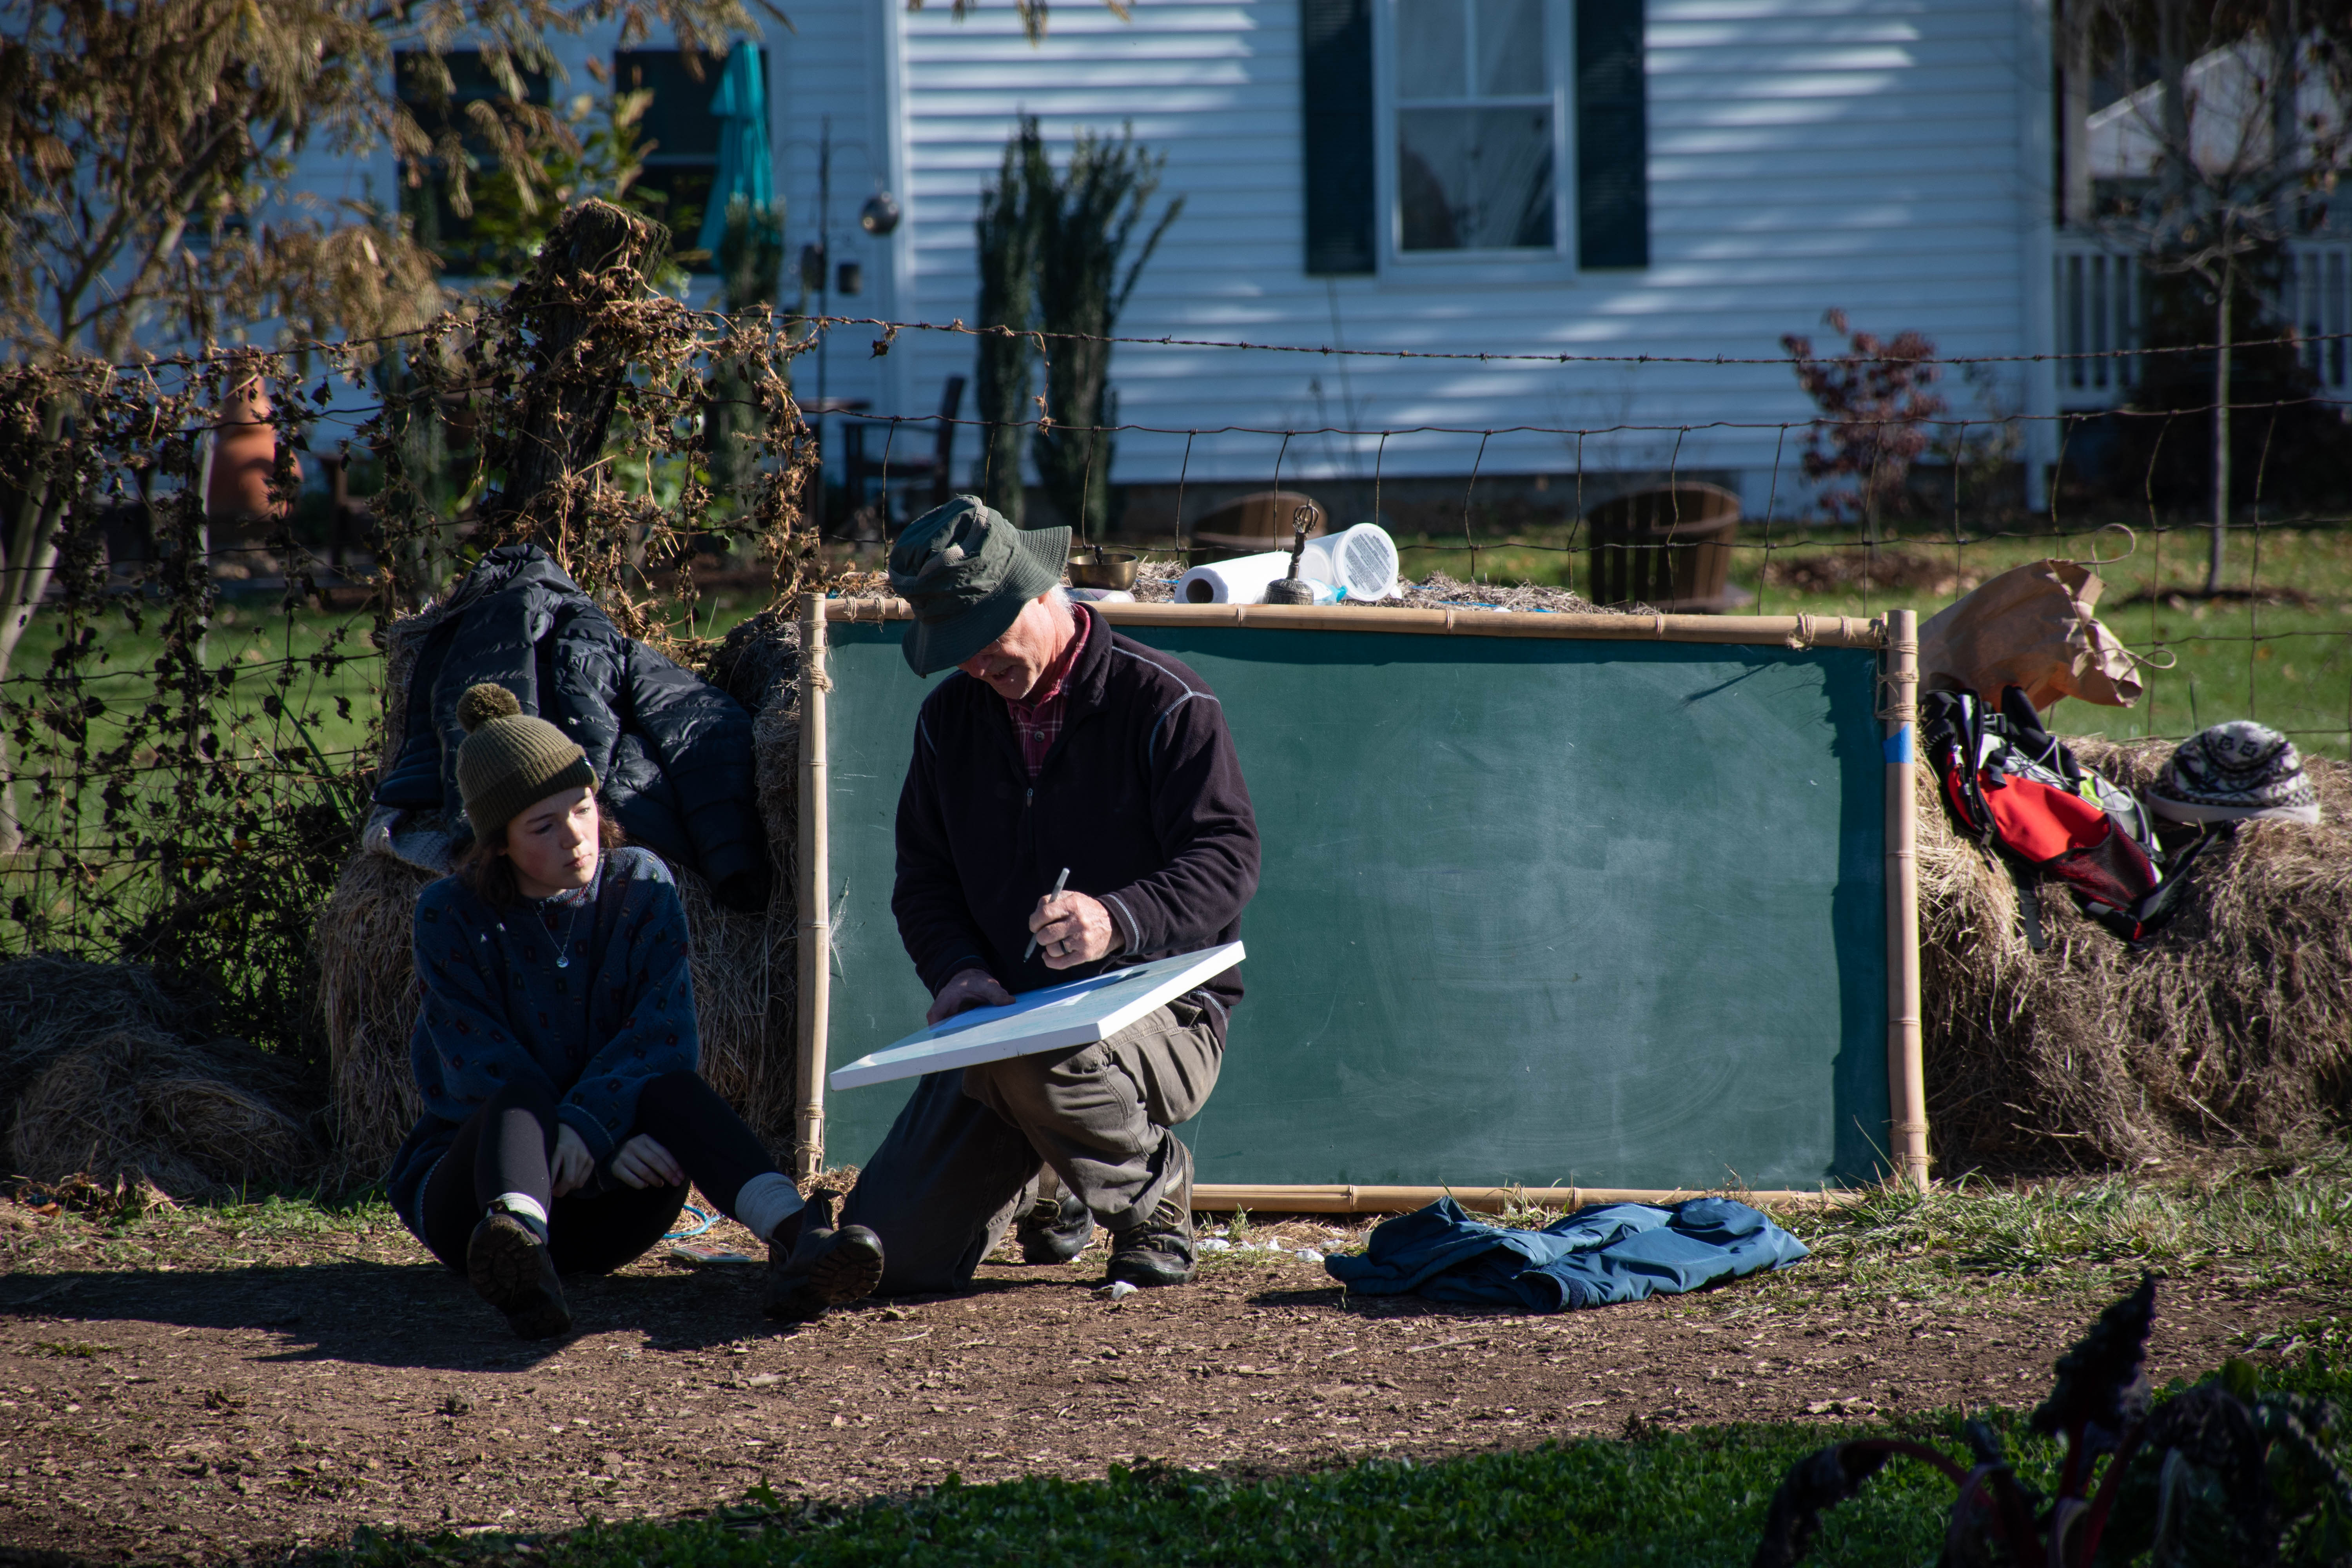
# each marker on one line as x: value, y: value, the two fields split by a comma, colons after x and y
x: 1141, y: 798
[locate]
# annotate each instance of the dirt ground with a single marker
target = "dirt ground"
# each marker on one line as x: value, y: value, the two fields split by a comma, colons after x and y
x: 244, y: 1404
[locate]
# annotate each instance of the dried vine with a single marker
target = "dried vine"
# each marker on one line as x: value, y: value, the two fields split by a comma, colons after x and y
x: 175, y: 804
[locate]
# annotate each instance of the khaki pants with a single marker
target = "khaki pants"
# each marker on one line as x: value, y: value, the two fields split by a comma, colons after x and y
x: 965, y: 1154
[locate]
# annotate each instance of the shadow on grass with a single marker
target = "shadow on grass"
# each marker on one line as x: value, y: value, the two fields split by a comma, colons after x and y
x: 395, y: 1315
x: 1331, y: 1298
x: 423, y: 1315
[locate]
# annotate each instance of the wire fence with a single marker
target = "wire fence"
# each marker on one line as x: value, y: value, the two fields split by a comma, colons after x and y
x: 193, y: 713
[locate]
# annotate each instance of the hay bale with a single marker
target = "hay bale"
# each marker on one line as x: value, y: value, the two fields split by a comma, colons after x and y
x: 2232, y: 1026
x: 367, y: 989
x: 50, y: 994
x: 1437, y: 591
x: 738, y: 1001
x: 760, y: 664
x: 743, y: 963
x: 401, y: 642
x: 116, y: 1080
x: 1155, y: 583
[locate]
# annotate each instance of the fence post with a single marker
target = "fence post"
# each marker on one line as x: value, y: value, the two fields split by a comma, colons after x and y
x: 1906, y: 1071
x: 597, y: 257
x: 814, y: 898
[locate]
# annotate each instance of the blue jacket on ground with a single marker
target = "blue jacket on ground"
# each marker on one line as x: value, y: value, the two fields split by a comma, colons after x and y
x: 497, y: 1007
x: 1597, y: 1257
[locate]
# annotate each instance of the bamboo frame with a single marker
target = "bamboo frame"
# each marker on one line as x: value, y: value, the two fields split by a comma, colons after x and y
x: 1906, y: 1077
x: 1777, y: 631
x: 1895, y: 637
x: 1218, y: 1198
x: 813, y: 864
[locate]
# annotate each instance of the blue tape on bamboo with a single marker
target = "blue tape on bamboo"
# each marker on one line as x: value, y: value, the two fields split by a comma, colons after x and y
x: 1897, y: 746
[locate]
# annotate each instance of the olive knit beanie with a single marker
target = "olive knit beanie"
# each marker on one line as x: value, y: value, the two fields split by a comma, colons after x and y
x: 509, y: 761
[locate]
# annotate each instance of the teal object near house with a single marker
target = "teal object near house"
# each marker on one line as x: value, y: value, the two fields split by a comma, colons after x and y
x: 746, y: 168
x: 1534, y: 910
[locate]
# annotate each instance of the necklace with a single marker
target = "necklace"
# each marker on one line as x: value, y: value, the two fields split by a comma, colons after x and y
x: 563, y: 951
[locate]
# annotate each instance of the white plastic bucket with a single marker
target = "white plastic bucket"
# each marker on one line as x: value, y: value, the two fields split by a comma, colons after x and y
x: 1360, y: 562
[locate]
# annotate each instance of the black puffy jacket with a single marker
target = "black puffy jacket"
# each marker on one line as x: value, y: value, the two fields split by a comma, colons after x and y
x: 672, y: 751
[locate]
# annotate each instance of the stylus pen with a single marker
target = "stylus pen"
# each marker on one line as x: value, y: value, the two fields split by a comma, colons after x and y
x: 1059, y: 883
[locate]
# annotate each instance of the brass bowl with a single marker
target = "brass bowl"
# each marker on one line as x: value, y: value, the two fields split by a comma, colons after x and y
x: 1102, y: 568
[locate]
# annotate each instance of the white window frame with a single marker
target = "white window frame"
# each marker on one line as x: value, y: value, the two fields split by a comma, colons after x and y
x: 1421, y: 268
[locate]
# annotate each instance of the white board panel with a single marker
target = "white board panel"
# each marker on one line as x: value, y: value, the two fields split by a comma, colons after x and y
x: 1077, y: 1014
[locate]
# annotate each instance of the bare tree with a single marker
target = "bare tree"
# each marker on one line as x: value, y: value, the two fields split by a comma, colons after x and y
x: 2235, y: 148
x: 148, y: 192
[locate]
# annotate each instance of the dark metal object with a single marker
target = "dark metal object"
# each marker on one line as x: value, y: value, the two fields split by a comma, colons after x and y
x: 1293, y: 589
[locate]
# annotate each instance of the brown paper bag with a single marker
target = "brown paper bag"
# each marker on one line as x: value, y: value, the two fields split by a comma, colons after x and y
x: 2031, y: 627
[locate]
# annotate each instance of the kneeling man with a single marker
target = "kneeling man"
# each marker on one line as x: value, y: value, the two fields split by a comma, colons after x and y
x: 1059, y: 744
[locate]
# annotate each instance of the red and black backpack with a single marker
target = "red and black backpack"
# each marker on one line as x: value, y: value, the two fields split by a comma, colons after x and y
x: 2016, y: 787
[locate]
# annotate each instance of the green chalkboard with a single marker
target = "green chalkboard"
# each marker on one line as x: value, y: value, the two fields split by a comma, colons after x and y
x: 1545, y: 911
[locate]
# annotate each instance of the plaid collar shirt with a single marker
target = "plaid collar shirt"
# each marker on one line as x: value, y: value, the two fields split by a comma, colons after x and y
x: 1037, y: 722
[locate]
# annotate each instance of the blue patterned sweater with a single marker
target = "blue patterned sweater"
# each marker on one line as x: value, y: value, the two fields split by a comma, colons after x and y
x: 498, y: 1007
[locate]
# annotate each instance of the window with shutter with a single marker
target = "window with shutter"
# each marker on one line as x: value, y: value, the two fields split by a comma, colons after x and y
x: 1338, y: 98
x: 1613, y: 136
x: 677, y: 136
x: 442, y: 115
x: 1474, y: 169
x: 1482, y: 141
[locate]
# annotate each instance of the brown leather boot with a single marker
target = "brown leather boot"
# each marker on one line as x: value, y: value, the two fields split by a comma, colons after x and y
x: 510, y: 1268
x: 1053, y: 1230
x: 1160, y: 1250
x: 824, y: 1268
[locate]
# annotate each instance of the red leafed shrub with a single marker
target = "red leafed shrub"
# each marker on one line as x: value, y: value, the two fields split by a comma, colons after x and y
x: 1875, y: 414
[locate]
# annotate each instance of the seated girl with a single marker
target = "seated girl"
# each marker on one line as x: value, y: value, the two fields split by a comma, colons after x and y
x: 556, y: 1053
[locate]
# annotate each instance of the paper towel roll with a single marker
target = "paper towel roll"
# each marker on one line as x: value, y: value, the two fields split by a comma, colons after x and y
x: 1240, y: 580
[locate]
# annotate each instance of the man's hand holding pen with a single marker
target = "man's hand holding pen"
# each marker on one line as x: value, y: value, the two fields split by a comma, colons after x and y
x: 1072, y: 929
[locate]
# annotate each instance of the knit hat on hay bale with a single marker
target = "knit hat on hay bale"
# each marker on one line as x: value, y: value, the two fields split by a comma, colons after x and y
x: 509, y: 761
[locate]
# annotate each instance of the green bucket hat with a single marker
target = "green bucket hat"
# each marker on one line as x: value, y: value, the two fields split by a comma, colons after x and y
x: 967, y: 571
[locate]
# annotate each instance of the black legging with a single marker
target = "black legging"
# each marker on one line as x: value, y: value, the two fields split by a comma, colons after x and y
x: 506, y: 1147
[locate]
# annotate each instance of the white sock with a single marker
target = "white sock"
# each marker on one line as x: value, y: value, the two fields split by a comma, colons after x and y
x: 767, y: 1201
x: 519, y: 1203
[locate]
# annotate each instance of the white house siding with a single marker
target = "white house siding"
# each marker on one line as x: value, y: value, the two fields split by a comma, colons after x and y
x: 1879, y: 155
x: 837, y: 62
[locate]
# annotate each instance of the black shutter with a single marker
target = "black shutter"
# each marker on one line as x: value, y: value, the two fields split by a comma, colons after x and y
x: 1336, y: 88
x: 1612, y: 138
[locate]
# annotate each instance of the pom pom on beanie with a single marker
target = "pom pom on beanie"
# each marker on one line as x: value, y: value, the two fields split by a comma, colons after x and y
x: 484, y: 703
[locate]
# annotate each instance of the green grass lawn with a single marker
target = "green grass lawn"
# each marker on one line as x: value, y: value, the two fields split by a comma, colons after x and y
x: 2297, y: 676
x: 337, y: 669
x: 301, y: 691
x: 1676, y: 1499
x: 2285, y: 1221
